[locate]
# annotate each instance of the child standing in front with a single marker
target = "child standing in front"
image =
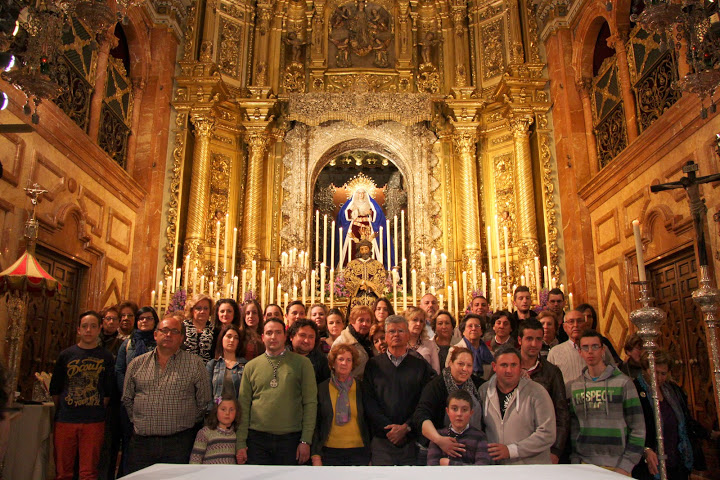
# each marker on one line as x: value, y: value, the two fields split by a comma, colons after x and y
x: 81, y: 386
x: 215, y: 442
x: 459, y: 410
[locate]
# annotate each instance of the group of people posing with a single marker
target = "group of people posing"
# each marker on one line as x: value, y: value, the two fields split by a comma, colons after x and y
x: 223, y: 383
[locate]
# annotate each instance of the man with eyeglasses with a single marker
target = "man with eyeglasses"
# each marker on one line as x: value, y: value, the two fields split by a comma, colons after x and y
x: 606, y: 418
x: 566, y: 356
x: 166, y: 392
x: 392, y: 385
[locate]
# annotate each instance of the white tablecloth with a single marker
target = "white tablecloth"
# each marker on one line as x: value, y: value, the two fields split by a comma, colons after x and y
x: 255, y: 472
x: 29, y: 453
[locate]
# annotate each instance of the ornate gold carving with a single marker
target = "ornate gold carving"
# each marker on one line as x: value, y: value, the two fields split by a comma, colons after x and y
x: 199, y: 184
x: 611, y: 135
x: 358, y: 29
x: 294, y: 80
x: 178, y: 155
x: 465, y: 139
x: 428, y: 78
x: 549, y: 199
x: 491, y: 11
x: 323, y: 199
x: 493, y: 46
x: 501, y: 139
x: 257, y: 140
x: 363, y: 82
x: 206, y: 51
x: 524, y: 193
x: 532, y: 28
x: 189, y: 34
x: 229, y: 54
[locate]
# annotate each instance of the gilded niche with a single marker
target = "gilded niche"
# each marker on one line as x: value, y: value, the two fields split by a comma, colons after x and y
x: 493, y: 45
x: 229, y: 52
x: 361, y: 35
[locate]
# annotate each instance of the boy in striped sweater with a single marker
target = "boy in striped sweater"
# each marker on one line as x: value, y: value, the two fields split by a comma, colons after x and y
x: 607, y: 425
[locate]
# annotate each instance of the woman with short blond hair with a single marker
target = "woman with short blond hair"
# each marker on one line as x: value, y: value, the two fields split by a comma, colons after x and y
x: 419, y: 342
x: 199, y: 326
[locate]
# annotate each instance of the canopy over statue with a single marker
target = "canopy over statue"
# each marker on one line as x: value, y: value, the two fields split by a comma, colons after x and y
x: 360, y: 218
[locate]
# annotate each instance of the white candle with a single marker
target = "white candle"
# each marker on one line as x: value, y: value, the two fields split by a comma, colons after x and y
x: 402, y: 233
x: 342, y: 249
x: 474, y: 284
x: 217, y: 247
x: 167, y: 293
x: 484, y: 284
x: 422, y: 290
x: 195, y: 281
x: 303, y: 284
x: 235, y: 288
x: 413, y: 275
x: 570, y: 301
x: 423, y: 261
x: 228, y: 290
x: 497, y: 243
x: 494, y: 292
x: 317, y: 236
x: 322, y: 283
x: 465, y: 286
x: 404, y: 282
x: 295, y: 295
x: 226, y: 242
x: 395, y: 236
x: 286, y: 302
x: 380, y: 245
x: 527, y: 276
x: 449, y: 290
x: 332, y: 288
x: 443, y: 265
x: 325, y: 238
x: 432, y: 289
x: 455, y: 297
x: 387, y: 232
x: 554, y: 282
x: 186, y: 274
x: 178, y: 278
x: 546, y: 279
x: 489, y: 252
x: 212, y: 288
x: 202, y: 284
x: 562, y: 288
x: 441, y: 300
x: 263, y: 284
x: 507, y: 251
x: 312, y: 287
x: 159, y: 298
x: 395, y: 299
x: 271, y: 289
x: 234, y: 249
x: 253, y: 278
x: 152, y: 299
x: 279, y: 292
x: 537, y: 278
x: 639, y: 251
x: 509, y: 303
x: 332, y: 245
x: 243, y: 285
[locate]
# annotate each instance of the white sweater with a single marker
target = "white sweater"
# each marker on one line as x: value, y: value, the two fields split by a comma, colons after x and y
x: 566, y: 357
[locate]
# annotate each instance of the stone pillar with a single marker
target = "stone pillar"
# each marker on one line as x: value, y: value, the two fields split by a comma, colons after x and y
x: 617, y: 41
x: 527, y: 241
x: 583, y: 87
x: 257, y: 140
x: 138, y: 89
x: 199, y: 188
x: 107, y: 42
x: 464, y: 140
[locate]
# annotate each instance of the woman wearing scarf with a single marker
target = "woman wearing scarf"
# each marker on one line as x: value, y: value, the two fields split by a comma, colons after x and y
x: 141, y: 341
x: 682, y: 450
x: 430, y: 414
x: 471, y: 328
x: 341, y: 435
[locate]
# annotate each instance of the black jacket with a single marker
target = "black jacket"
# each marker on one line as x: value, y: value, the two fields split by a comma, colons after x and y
x: 550, y: 377
x: 326, y: 417
x: 391, y: 393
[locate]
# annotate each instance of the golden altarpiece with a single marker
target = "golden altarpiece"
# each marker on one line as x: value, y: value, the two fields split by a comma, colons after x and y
x: 278, y: 103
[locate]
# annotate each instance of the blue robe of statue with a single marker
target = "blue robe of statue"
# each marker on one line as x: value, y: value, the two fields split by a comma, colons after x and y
x: 379, y: 221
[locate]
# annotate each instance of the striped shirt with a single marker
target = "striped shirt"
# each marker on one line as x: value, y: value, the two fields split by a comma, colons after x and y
x: 165, y: 401
x: 214, y: 447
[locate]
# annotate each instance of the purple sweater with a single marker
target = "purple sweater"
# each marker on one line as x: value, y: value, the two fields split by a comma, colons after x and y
x: 476, y: 448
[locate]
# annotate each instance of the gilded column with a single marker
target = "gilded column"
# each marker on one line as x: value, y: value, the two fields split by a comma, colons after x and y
x: 583, y: 86
x: 464, y: 140
x: 199, y: 187
x: 618, y: 42
x: 257, y: 141
x: 527, y: 241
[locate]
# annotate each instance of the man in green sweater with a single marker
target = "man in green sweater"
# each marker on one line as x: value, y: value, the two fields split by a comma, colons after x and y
x: 606, y: 418
x: 278, y: 403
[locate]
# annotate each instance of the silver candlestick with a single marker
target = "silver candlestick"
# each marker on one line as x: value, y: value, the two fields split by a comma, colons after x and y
x: 648, y: 321
x: 707, y: 299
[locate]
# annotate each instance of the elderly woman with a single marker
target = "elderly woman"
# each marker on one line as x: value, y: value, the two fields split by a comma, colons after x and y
x: 382, y: 308
x: 443, y: 324
x: 341, y: 436
x: 682, y: 451
x: 226, y: 368
x: 430, y: 413
x: 377, y: 335
x: 357, y: 335
x: 471, y: 328
x: 127, y: 311
x: 199, y: 326
x: 251, y: 329
x: 419, y: 341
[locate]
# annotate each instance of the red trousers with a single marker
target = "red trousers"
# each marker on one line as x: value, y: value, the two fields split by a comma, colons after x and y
x: 73, y: 438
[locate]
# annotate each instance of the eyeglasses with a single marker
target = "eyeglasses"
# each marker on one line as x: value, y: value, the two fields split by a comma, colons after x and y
x: 110, y: 319
x: 169, y: 331
x: 198, y: 308
x: 127, y: 315
x: 594, y: 347
x: 147, y: 319
x: 473, y: 326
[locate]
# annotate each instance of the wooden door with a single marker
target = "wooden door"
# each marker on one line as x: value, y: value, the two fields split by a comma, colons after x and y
x: 674, y: 278
x: 51, y: 322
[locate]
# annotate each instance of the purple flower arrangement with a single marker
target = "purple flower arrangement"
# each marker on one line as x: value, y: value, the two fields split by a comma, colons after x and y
x: 177, y: 302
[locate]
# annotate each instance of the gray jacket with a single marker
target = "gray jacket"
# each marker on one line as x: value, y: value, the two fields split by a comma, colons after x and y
x: 528, y: 428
